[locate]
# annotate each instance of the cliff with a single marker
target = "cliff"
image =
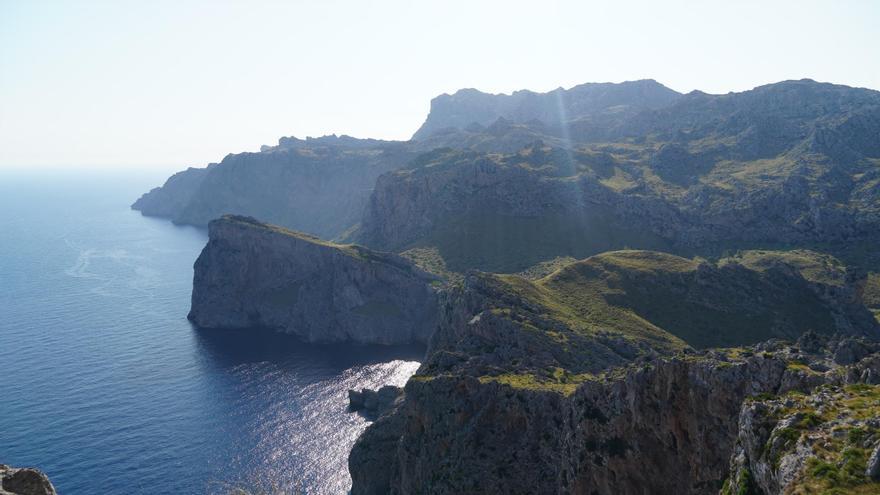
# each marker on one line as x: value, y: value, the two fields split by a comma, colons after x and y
x: 252, y: 274
x: 580, y: 171
x: 318, y: 186
x: 24, y: 481
x: 173, y: 197
x: 603, y: 376
x: 824, y: 441
x: 666, y: 425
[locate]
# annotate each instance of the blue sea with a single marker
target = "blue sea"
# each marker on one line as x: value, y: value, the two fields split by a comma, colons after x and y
x: 106, y: 386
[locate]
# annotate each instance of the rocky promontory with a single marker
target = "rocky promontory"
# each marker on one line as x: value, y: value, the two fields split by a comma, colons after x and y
x: 317, y: 186
x: 251, y: 274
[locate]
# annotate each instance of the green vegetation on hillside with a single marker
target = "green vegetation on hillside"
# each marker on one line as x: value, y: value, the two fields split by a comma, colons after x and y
x: 662, y: 298
x: 501, y: 243
x: 506, y: 212
x: 586, y: 316
x: 814, y: 267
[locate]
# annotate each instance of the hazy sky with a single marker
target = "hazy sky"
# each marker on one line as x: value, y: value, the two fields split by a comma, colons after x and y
x: 183, y: 83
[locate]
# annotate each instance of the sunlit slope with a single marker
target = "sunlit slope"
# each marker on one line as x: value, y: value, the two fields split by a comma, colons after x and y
x: 609, y: 309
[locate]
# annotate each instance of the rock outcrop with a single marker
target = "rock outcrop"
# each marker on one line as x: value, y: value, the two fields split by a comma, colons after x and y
x: 825, y: 441
x: 668, y: 425
x: 252, y: 274
x: 374, y: 403
x: 24, y: 481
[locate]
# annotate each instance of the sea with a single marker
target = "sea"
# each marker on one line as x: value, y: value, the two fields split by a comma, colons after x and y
x: 106, y: 386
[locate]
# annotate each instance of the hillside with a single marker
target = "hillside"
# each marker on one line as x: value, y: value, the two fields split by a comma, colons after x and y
x: 615, y: 307
x: 605, y: 376
x: 789, y: 164
x: 799, y: 415
x: 822, y: 442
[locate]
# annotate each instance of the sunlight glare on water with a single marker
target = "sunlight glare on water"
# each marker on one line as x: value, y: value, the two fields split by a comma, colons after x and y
x: 108, y: 388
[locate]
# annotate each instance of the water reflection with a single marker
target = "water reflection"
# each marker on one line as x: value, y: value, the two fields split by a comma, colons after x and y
x: 226, y: 348
x: 292, y: 427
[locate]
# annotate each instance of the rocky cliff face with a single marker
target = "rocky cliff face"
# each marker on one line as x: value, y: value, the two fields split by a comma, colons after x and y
x: 666, y: 425
x: 318, y: 186
x: 469, y: 109
x: 586, y: 381
x: 321, y: 185
x: 705, y: 187
x: 173, y: 197
x: 505, y: 213
x: 823, y: 441
x: 627, y: 165
x: 256, y: 275
x: 24, y: 481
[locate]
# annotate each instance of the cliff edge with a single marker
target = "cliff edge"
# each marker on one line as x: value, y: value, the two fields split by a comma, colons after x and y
x: 252, y: 274
x: 606, y: 377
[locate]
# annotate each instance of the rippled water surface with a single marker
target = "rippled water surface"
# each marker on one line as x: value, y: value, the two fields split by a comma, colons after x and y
x: 106, y: 386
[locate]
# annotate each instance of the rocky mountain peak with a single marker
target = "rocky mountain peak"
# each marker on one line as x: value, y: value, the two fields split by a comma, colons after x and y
x: 467, y: 106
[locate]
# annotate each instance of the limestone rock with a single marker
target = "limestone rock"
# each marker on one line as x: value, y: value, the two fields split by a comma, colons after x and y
x: 806, y: 443
x: 317, y: 186
x: 872, y: 470
x: 256, y: 275
x: 24, y: 481
x: 468, y: 108
x: 850, y: 351
x: 374, y: 403
x: 681, y: 424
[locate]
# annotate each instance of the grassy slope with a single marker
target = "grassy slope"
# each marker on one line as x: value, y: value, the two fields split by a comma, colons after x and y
x: 650, y: 296
x: 664, y: 301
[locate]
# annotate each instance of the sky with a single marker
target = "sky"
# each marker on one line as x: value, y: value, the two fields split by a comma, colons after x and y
x: 183, y: 83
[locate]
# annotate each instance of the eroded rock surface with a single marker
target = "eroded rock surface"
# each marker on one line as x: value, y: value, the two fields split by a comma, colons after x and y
x: 822, y: 441
x: 24, y: 481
